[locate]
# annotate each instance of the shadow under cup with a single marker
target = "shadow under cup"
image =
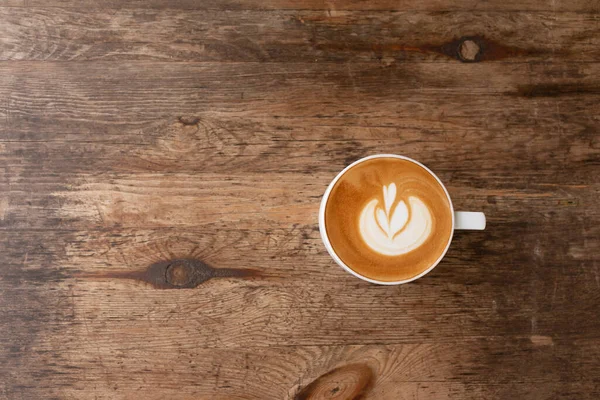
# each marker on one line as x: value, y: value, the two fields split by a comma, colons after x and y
x: 386, y: 219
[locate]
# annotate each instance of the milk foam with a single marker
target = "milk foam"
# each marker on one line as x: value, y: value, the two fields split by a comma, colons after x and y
x: 393, y: 231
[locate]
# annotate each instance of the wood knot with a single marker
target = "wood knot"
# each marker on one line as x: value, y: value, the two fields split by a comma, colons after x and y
x: 344, y: 383
x: 179, y: 273
x: 469, y: 50
x: 188, y: 121
x: 182, y: 273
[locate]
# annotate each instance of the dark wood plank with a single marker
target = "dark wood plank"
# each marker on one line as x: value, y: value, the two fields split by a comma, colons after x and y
x: 301, y: 36
x: 311, y: 145
x: 329, y: 6
x: 136, y: 92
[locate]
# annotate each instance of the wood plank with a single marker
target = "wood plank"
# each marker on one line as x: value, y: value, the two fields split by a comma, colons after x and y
x: 470, y: 370
x: 330, y: 6
x: 294, y: 36
x: 131, y: 92
x: 252, y: 201
x: 216, y: 142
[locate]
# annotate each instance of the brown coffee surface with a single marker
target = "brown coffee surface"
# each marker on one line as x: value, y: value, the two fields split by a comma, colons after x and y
x: 410, y: 220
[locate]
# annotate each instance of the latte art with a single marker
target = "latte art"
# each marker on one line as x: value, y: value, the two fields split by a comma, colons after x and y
x: 393, y: 228
x: 388, y: 219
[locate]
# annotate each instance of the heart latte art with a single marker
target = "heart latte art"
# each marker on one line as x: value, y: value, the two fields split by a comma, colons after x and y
x: 394, y: 228
x: 388, y: 219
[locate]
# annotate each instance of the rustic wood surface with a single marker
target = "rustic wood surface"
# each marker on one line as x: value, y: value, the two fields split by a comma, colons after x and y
x: 162, y: 163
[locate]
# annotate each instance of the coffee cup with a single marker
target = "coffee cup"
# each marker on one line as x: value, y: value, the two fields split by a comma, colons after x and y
x: 389, y: 220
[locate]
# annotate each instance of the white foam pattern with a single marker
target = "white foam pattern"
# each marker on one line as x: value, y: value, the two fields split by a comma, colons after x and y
x: 395, y: 228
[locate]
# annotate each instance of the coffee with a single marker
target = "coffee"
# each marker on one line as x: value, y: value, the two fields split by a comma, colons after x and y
x: 388, y: 219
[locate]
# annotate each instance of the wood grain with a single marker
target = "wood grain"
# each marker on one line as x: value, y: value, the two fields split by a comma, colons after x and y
x: 162, y: 164
x: 301, y: 36
x: 323, y: 5
x: 402, y: 372
x: 126, y: 100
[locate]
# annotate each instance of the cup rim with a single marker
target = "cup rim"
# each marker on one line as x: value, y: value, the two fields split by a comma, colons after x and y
x: 329, y: 247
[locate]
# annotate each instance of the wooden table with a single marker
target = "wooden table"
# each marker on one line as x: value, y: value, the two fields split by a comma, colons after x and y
x: 162, y: 164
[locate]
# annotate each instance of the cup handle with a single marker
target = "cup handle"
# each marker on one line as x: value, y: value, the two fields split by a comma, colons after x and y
x: 469, y: 220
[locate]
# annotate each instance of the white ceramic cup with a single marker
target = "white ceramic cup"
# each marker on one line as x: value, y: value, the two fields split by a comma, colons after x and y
x: 466, y: 220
